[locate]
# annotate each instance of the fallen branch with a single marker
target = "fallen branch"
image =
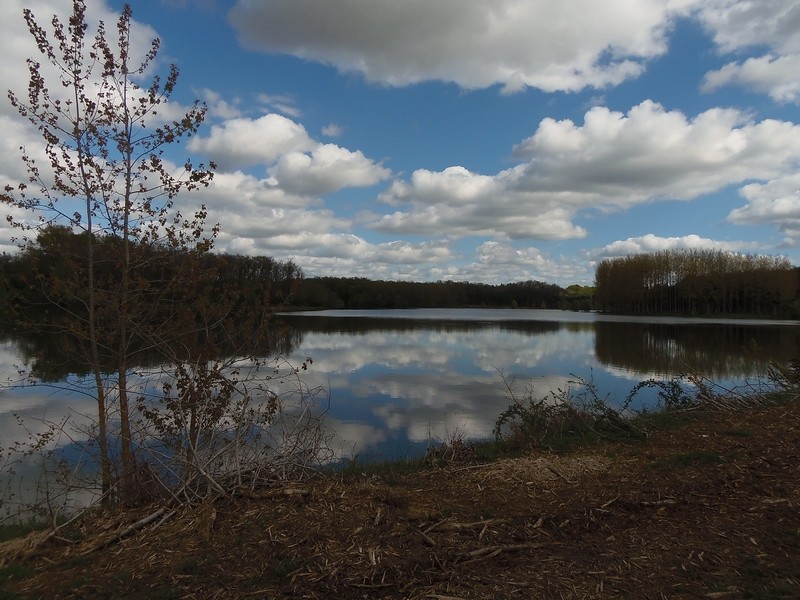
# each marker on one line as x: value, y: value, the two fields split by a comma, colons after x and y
x: 427, y: 539
x: 275, y: 493
x: 491, y: 551
x: 131, y: 528
x: 553, y: 469
x: 668, y: 502
x: 447, y: 525
x: 610, y: 502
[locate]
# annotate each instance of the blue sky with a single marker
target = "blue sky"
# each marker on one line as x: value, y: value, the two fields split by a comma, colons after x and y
x: 468, y: 140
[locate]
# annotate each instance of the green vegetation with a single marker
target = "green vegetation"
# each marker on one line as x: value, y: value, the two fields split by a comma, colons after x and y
x: 560, y: 420
x: 576, y: 416
x: 9, y: 531
x: 14, y: 571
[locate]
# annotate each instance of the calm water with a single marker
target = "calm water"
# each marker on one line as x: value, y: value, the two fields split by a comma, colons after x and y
x: 399, y: 380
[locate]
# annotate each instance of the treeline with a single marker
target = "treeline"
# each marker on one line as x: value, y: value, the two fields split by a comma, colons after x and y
x: 43, y: 288
x: 45, y: 284
x: 698, y: 282
x: 360, y: 293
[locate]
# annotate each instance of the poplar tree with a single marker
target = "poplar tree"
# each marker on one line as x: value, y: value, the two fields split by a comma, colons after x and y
x: 106, y: 175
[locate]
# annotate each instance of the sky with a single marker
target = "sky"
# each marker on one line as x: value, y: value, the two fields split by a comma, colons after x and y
x: 469, y: 140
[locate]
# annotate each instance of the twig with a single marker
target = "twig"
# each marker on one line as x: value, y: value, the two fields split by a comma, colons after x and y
x: 610, y: 502
x: 491, y: 551
x: 450, y: 526
x: 553, y: 469
x: 427, y: 539
x: 435, y: 525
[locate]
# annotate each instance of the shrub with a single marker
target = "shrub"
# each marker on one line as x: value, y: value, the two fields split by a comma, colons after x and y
x: 559, y: 419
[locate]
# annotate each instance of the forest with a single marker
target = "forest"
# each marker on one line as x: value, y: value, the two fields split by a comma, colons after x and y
x: 43, y: 287
x: 698, y: 282
x: 349, y: 292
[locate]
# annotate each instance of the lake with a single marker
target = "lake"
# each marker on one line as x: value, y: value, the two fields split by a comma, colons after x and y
x: 399, y: 380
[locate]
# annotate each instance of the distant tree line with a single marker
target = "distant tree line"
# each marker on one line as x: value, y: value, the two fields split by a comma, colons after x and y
x: 43, y: 285
x: 698, y: 282
x: 361, y: 293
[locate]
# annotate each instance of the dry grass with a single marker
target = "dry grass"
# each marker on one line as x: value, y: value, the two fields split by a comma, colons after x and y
x: 633, y: 519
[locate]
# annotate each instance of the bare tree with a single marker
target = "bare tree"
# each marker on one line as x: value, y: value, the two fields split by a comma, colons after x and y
x: 104, y: 146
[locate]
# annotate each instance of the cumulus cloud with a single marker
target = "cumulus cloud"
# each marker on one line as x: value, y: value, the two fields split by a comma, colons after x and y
x: 260, y: 218
x: 326, y: 169
x: 775, y: 76
x: 612, y: 161
x: 242, y: 142
x: 341, y: 253
x: 775, y: 203
x: 295, y: 162
x: 652, y: 243
x: 495, y: 260
x: 460, y: 203
x: 17, y: 46
x: 551, y: 44
x: 739, y: 24
x: 650, y: 152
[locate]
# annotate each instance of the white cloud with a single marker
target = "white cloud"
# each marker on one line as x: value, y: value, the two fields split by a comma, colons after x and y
x: 332, y: 130
x: 550, y: 44
x: 739, y: 24
x: 775, y: 76
x: 775, y: 203
x: 326, y: 169
x: 459, y: 203
x: 613, y: 161
x: 736, y: 25
x: 650, y: 152
x: 260, y: 218
x: 17, y: 46
x: 295, y: 162
x: 350, y: 255
x: 219, y: 107
x: 242, y: 142
x: 500, y: 263
x: 280, y: 102
x: 652, y: 243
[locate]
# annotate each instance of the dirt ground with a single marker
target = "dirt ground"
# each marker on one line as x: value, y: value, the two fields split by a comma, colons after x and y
x: 708, y: 509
